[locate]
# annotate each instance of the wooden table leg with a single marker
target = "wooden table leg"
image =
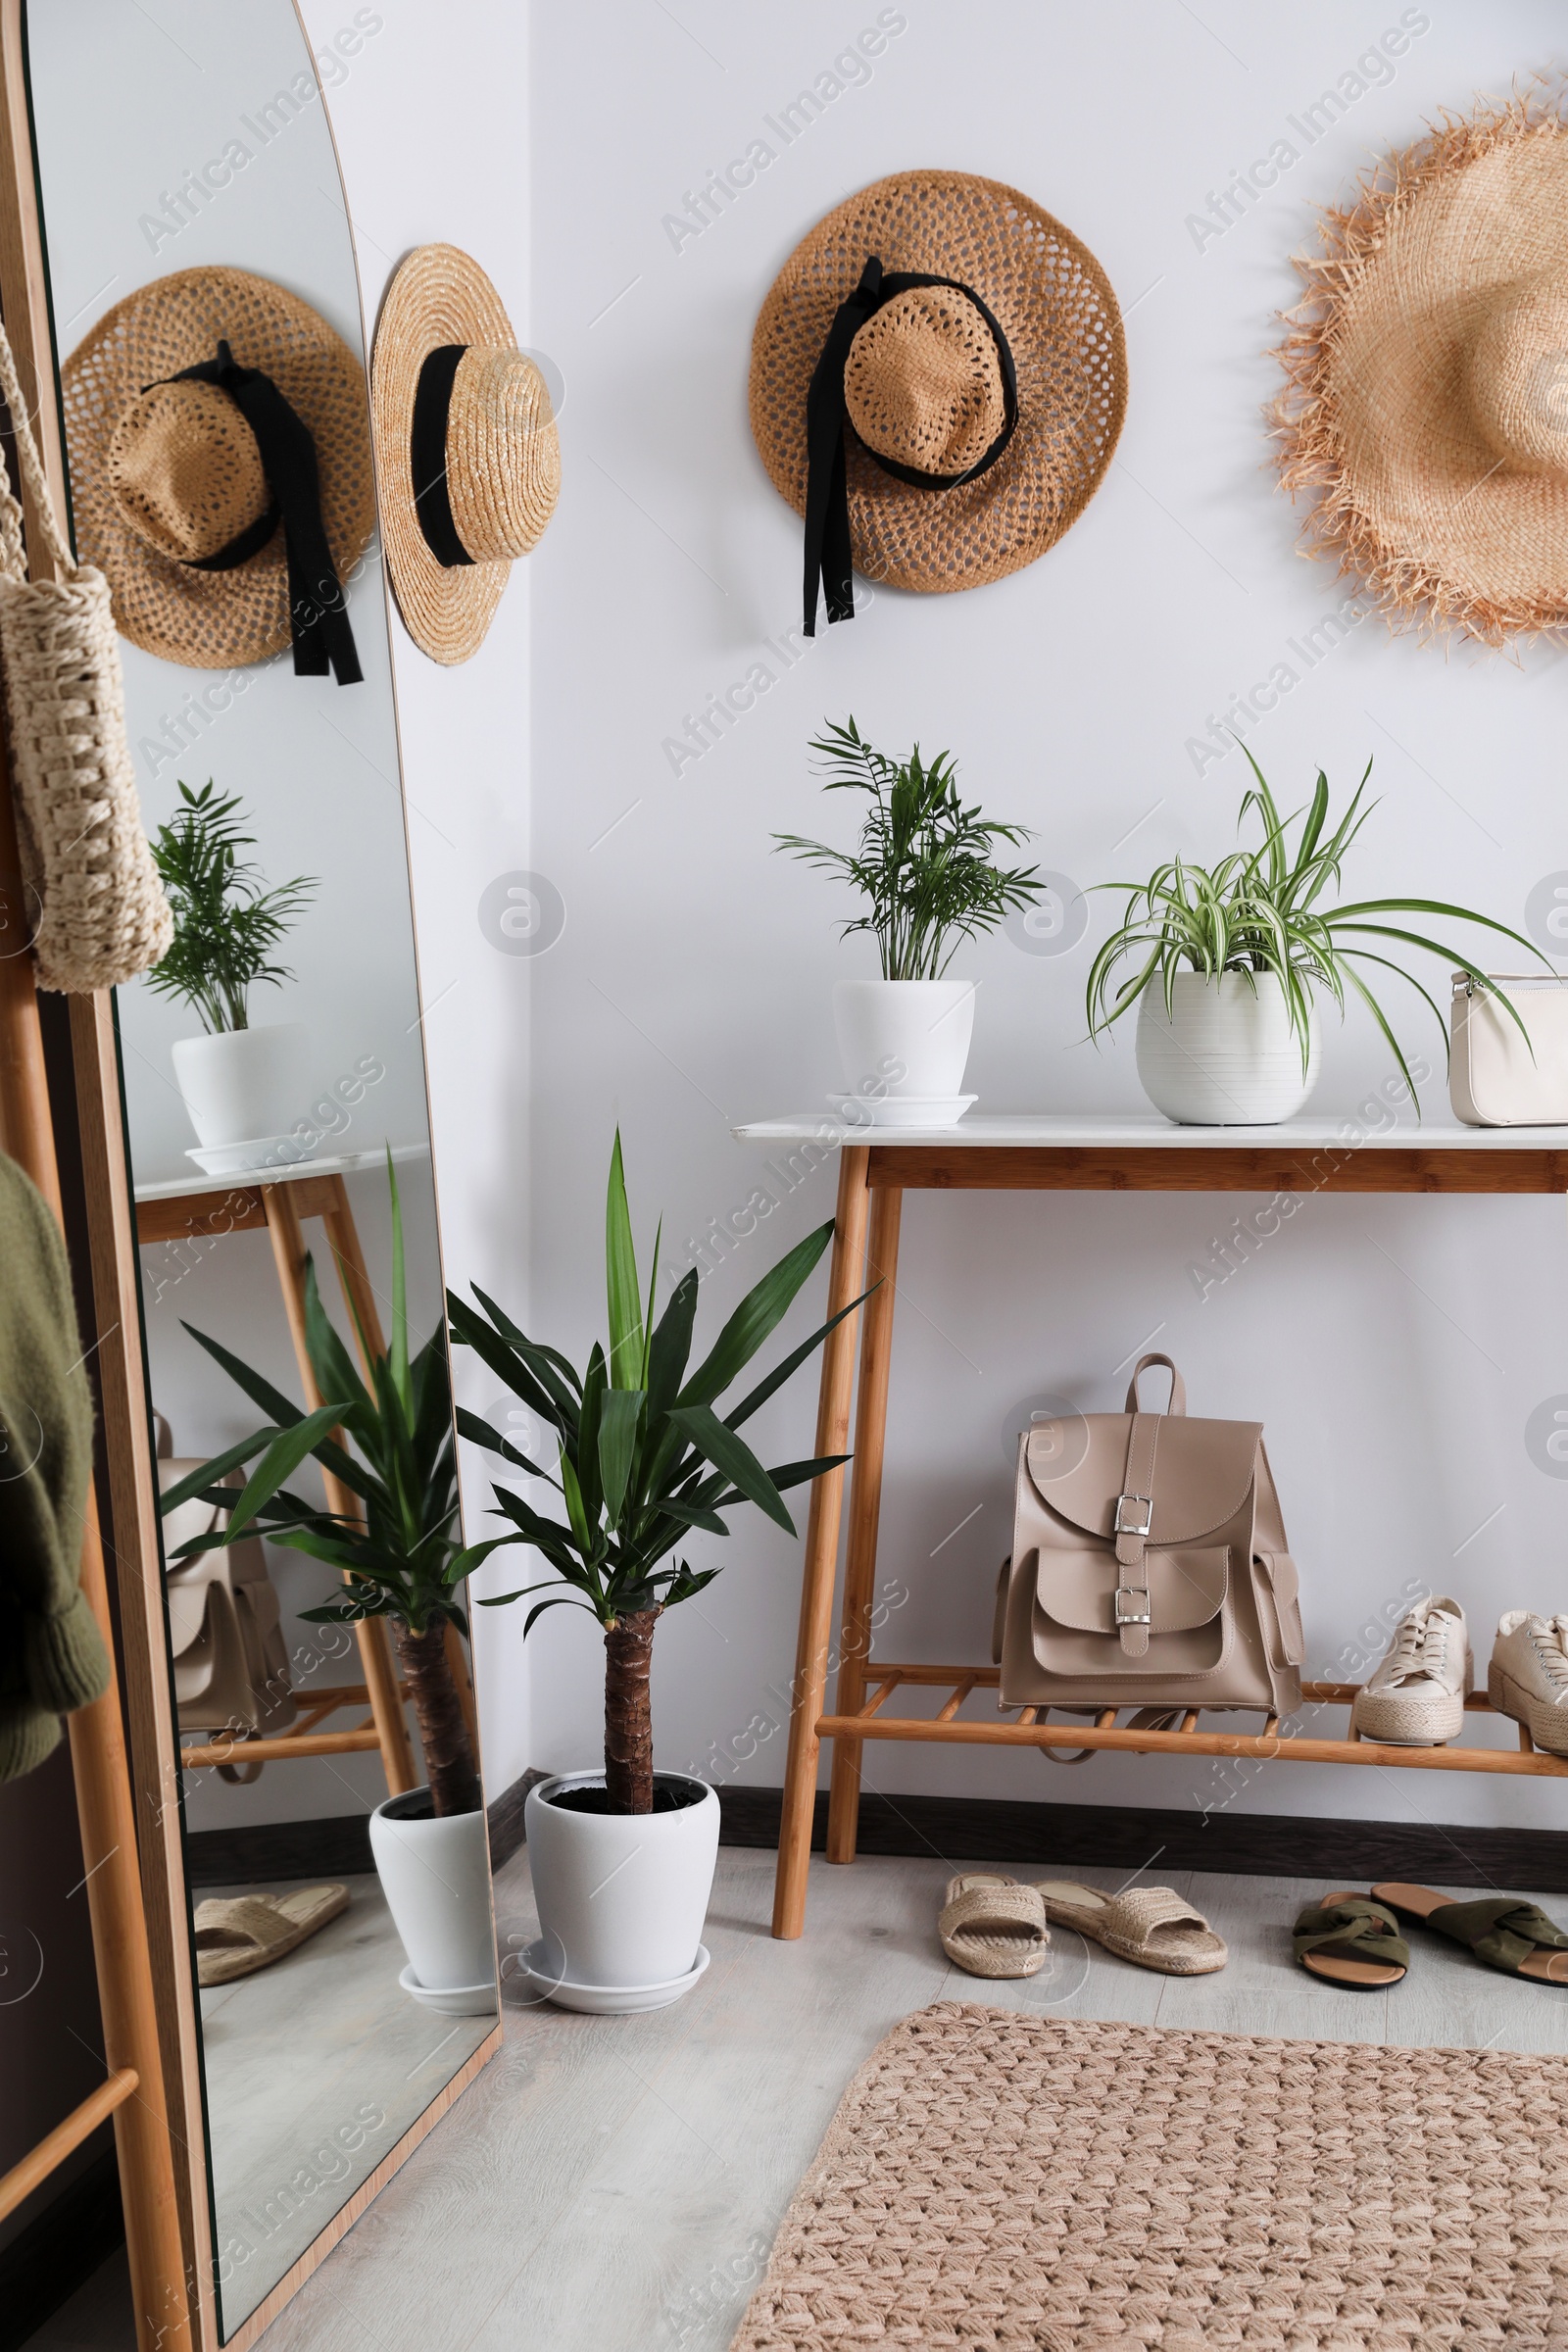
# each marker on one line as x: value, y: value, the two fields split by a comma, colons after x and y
x: 866, y: 1509
x: 376, y: 1650
x: 359, y: 1293
x: 821, y: 1549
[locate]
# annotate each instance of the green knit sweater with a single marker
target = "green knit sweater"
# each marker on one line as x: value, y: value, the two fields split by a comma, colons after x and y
x: 51, y: 1653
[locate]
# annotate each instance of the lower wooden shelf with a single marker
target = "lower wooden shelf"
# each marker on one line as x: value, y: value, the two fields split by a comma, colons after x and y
x: 303, y: 1740
x: 1285, y: 1743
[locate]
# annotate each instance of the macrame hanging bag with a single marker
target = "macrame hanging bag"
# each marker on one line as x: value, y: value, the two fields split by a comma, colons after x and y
x: 85, y: 861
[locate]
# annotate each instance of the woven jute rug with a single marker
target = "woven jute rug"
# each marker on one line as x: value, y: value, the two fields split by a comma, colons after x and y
x: 993, y: 2179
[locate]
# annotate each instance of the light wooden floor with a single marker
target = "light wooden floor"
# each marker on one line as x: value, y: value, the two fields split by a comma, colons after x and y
x: 612, y: 2185
x: 321, y: 2049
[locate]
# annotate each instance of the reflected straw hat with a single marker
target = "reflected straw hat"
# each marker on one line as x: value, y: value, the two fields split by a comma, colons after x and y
x: 937, y: 380
x: 468, y: 458
x: 220, y: 453
x: 1426, y: 404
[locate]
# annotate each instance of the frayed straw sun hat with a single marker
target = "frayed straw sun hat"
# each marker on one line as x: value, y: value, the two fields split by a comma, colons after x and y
x: 220, y: 453
x: 1426, y: 408
x: 937, y: 380
x: 466, y: 447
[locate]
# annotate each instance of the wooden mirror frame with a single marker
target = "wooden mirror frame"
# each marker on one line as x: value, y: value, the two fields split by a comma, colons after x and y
x: 128, y: 1511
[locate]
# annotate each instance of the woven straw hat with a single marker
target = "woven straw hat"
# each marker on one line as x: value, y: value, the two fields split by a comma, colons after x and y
x: 466, y: 445
x: 980, y: 372
x: 1427, y: 402
x: 164, y: 474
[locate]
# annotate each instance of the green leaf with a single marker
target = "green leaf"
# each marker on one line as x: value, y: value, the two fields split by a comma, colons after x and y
x: 399, y: 1351
x: 260, y: 1391
x: 622, y: 1282
x: 281, y: 1461
x: 211, y: 1473
x: 731, y: 1454
x: 757, y: 1316
x: 760, y: 1395
x: 618, y: 1419
x: 509, y: 1365
x: 572, y: 1492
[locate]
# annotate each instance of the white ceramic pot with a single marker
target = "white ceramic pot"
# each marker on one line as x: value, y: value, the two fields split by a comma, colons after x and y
x: 1225, y: 1054
x: 435, y: 1874
x: 241, y: 1083
x: 621, y: 1896
x: 905, y: 1037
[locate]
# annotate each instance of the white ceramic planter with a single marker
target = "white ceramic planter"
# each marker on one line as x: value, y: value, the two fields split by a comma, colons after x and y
x: 621, y: 1896
x: 905, y: 1037
x: 1224, y: 1055
x: 435, y: 1875
x: 243, y: 1084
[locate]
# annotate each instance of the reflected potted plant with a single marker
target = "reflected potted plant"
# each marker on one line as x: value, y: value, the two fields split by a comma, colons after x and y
x: 925, y: 868
x: 402, y: 1558
x: 242, y: 1085
x: 1229, y: 962
x: 623, y: 1856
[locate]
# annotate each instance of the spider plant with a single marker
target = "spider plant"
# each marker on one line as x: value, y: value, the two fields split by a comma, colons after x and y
x: 225, y: 925
x: 642, y: 1457
x: 1261, y: 912
x: 925, y: 860
x: 401, y: 1553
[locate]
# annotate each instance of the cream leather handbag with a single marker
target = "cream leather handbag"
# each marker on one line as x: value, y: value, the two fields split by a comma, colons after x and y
x: 1492, y: 1081
x: 1149, y: 1566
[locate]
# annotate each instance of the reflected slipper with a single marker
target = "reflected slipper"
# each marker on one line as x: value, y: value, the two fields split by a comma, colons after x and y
x: 236, y: 1936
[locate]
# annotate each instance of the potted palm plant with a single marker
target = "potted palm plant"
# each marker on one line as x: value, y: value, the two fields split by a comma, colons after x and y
x: 1229, y: 962
x: 926, y: 867
x: 389, y: 1442
x: 244, y: 1086
x: 622, y: 1855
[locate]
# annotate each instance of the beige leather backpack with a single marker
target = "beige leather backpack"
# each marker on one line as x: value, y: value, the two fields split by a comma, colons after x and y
x: 1149, y: 1566
x: 225, y: 1629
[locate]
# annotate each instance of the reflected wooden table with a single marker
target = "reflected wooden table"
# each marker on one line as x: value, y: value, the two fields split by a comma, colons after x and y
x: 876, y: 1167
x: 280, y: 1199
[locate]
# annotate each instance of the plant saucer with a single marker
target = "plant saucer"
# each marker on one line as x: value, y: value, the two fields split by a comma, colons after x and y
x: 903, y: 1110
x: 604, y: 2000
x: 262, y: 1151
x: 452, y: 2000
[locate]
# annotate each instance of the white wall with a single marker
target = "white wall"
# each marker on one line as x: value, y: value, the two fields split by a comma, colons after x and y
x: 1394, y: 1347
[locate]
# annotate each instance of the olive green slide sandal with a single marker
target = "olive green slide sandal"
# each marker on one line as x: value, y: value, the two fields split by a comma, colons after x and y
x: 1351, y: 1941
x: 1504, y: 1933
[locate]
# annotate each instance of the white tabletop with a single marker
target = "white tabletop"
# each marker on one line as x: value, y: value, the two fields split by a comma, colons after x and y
x: 1148, y: 1131
x: 240, y: 1180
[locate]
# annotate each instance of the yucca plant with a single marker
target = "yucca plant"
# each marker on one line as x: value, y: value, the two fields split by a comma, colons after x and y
x: 642, y: 1457
x: 925, y: 860
x: 225, y: 925
x: 405, y: 1560
x: 1261, y: 910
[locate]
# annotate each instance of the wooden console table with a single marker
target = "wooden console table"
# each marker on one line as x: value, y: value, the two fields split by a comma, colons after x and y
x: 183, y: 1212
x: 876, y: 1167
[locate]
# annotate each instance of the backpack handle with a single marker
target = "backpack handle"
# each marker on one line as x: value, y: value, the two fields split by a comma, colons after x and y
x: 1178, y: 1385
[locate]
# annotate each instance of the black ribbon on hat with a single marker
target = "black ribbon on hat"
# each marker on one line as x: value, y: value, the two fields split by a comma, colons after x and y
x: 318, y: 615
x: 828, y: 553
x: 427, y: 453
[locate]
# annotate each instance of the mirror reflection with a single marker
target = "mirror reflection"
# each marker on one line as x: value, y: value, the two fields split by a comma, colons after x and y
x: 212, y: 360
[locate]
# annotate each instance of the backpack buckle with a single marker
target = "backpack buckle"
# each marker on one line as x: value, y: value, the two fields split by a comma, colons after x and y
x: 1126, y: 1526
x: 1131, y: 1606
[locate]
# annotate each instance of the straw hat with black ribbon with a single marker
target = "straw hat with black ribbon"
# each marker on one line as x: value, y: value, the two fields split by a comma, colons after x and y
x: 221, y: 475
x: 469, y: 462
x: 938, y: 381
x: 1426, y: 411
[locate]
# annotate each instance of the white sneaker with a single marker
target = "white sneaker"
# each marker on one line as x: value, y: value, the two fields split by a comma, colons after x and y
x: 1416, y: 1697
x: 1528, y: 1677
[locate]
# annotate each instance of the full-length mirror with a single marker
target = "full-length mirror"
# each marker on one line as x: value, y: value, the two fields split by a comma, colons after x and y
x: 212, y: 362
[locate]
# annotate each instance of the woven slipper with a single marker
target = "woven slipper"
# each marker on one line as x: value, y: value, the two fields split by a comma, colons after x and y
x: 1351, y: 1941
x: 237, y: 1936
x: 991, y: 1925
x: 1150, y: 1926
x: 1504, y: 1933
